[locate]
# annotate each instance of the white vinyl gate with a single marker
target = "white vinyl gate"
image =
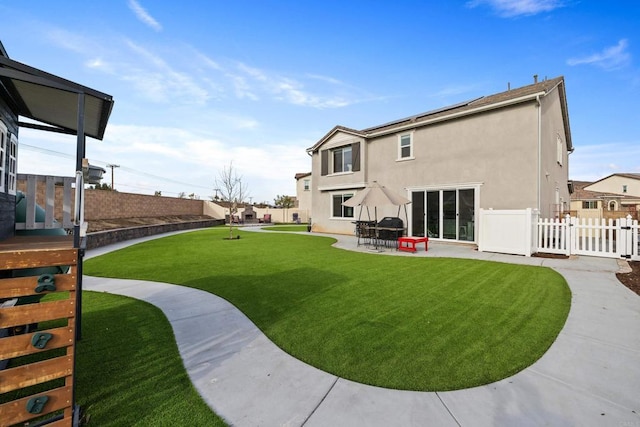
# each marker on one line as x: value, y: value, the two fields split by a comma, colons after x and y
x: 589, y: 236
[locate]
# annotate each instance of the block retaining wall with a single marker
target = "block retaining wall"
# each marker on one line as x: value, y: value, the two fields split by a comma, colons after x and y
x: 107, y: 237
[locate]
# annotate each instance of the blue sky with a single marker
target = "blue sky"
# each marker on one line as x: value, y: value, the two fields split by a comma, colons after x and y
x: 200, y: 84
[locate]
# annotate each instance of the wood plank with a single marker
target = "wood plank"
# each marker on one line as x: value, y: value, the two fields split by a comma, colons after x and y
x: 36, y: 242
x: 35, y: 313
x: 35, y: 373
x: 20, y: 345
x: 24, y: 286
x: 15, y: 412
x: 37, y: 258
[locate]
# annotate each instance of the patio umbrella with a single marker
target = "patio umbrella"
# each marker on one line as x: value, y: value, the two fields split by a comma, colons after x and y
x: 377, y: 195
x: 373, y: 196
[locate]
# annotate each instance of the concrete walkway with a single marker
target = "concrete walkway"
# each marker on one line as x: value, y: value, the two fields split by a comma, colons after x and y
x: 589, y: 377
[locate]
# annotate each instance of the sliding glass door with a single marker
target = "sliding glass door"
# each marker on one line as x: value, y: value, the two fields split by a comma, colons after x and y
x: 444, y: 214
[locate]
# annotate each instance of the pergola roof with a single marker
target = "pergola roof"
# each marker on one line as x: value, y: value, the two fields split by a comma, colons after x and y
x: 50, y: 99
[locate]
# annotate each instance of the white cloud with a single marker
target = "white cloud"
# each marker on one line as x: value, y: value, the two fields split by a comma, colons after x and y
x: 610, y: 58
x: 144, y: 16
x: 512, y: 8
x: 158, y: 81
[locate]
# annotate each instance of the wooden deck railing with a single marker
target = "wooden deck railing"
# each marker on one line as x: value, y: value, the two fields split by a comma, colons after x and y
x: 45, y: 186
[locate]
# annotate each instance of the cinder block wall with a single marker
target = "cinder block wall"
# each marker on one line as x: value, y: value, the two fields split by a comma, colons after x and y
x: 101, y: 204
x: 104, y: 204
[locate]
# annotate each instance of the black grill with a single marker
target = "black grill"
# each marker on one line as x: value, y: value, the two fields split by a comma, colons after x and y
x: 390, y: 236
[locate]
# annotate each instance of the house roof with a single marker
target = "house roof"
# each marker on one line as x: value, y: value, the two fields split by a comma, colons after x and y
x: 52, y: 100
x: 509, y: 97
x: 302, y: 175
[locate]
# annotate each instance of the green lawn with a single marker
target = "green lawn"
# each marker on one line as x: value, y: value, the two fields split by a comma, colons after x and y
x: 129, y: 371
x: 128, y: 368
x: 410, y: 323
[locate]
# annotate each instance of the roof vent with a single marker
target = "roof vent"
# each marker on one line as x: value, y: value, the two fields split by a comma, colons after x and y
x: 535, y: 78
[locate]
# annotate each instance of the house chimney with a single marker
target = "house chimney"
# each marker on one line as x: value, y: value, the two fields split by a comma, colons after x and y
x: 535, y: 78
x: 508, y: 85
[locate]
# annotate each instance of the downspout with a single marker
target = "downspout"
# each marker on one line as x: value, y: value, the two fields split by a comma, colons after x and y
x: 539, y: 106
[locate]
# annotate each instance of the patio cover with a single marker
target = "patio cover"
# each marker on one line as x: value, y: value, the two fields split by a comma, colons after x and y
x: 50, y: 99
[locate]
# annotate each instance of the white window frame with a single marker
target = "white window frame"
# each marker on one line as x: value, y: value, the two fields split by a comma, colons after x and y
x: 12, y: 150
x: 589, y: 204
x: 3, y: 154
x: 307, y: 184
x: 402, y: 137
x: 348, y: 195
x: 347, y: 166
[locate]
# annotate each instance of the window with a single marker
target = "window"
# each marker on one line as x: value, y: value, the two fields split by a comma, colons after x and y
x: 590, y: 204
x: 342, y: 159
x: 559, y: 150
x: 340, y: 211
x: 12, y: 150
x: 405, y: 146
x: 624, y: 188
x: 3, y: 155
x: 307, y: 185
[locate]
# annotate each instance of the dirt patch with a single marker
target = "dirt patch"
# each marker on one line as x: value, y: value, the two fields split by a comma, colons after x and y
x: 552, y: 256
x: 631, y: 280
x: 112, y: 224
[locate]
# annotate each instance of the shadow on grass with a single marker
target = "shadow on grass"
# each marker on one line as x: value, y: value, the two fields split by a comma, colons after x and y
x: 129, y: 370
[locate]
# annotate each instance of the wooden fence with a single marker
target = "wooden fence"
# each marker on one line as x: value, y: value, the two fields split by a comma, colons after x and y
x: 37, y: 384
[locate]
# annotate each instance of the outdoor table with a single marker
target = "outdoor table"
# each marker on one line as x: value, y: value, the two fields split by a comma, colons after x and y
x: 408, y: 244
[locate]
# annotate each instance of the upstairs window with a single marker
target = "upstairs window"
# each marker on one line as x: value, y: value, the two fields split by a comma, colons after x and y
x: 307, y: 185
x: 624, y: 188
x: 342, y: 159
x: 405, y: 146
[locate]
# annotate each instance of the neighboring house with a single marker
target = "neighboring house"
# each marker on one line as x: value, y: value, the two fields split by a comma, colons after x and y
x: 627, y: 184
x: 303, y: 192
x: 504, y: 151
x: 587, y: 203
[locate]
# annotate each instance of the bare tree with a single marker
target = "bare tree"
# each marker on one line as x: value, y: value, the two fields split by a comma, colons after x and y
x: 231, y: 189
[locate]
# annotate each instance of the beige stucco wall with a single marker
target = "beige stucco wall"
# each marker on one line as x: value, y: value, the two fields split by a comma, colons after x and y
x: 495, y: 151
x: 554, y: 176
x: 614, y: 183
x: 323, y: 187
x: 576, y: 205
x: 304, y: 196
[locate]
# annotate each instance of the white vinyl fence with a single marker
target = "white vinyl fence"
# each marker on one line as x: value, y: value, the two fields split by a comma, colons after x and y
x: 522, y: 232
x: 589, y: 236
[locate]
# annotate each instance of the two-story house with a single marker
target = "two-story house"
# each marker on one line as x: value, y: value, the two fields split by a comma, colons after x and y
x: 504, y: 151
